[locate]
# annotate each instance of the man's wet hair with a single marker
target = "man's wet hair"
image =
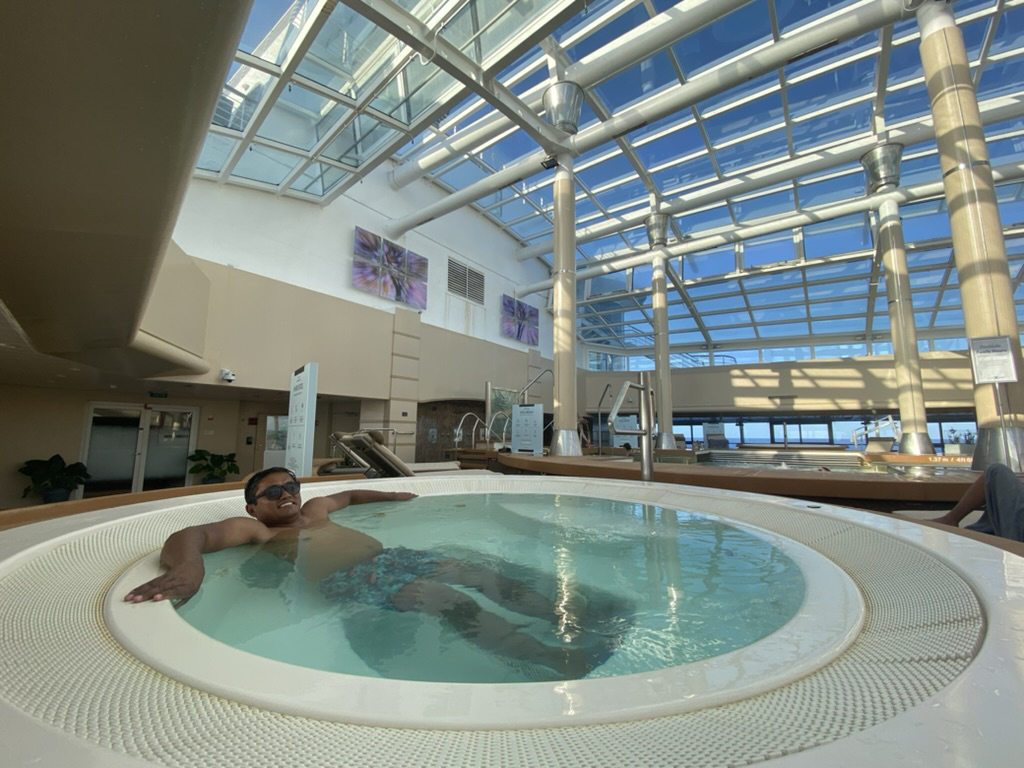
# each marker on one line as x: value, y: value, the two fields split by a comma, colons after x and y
x: 250, y: 486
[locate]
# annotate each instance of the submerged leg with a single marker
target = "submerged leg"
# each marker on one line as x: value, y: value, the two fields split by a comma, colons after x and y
x: 573, y: 614
x: 492, y: 632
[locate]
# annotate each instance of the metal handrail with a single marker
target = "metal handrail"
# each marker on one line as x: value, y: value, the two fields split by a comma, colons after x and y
x: 607, y: 389
x: 646, y: 422
x: 876, y: 427
x: 522, y: 392
x: 458, y: 429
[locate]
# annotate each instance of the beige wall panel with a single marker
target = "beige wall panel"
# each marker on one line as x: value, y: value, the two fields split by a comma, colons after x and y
x: 263, y: 330
x: 178, y: 306
x: 816, y: 385
x: 453, y: 366
x: 407, y: 322
x: 407, y: 346
x: 371, y: 414
x: 405, y: 367
x: 405, y: 389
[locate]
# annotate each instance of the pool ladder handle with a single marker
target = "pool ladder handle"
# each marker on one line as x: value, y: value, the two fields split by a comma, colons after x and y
x: 645, y: 433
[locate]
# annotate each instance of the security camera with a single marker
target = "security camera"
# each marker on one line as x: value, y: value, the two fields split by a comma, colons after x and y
x: 226, y: 375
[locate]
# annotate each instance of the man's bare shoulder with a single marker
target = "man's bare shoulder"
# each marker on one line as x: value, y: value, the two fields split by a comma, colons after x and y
x: 233, y: 531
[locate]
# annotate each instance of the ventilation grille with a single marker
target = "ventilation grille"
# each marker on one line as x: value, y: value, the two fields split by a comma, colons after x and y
x: 466, y: 282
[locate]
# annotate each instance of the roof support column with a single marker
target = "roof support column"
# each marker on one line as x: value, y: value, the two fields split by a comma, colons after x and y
x: 882, y: 166
x: 657, y: 235
x: 563, y: 102
x: 980, y: 253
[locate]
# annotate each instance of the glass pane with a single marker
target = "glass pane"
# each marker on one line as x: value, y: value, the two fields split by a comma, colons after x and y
x: 167, y: 449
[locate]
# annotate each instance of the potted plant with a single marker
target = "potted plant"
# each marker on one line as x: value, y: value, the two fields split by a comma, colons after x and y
x: 214, y: 467
x: 52, y: 478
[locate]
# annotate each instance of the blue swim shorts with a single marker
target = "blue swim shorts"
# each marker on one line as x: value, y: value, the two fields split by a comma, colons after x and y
x: 375, y: 581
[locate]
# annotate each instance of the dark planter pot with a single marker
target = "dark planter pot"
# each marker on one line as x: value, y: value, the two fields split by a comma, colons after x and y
x: 56, y: 494
x: 212, y: 480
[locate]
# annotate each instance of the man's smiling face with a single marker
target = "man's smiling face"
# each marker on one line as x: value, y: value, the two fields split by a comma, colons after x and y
x: 282, y: 510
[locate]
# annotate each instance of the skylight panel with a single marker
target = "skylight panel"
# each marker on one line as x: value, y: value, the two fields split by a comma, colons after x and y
x: 925, y: 300
x: 768, y: 250
x: 666, y: 149
x: 597, y: 177
x: 795, y: 13
x: 844, y: 307
x: 273, y: 27
x: 317, y: 179
x: 697, y: 222
x: 844, y: 235
x: 358, y: 140
x: 725, y: 38
x: 763, y: 206
x: 678, y: 177
x: 831, y: 88
x: 840, y: 326
x: 940, y: 256
x: 215, y: 151
x: 925, y: 220
x: 793, y: 312
x: 720, y: 303
x: 240, y: 96
x: 270, y: 166
x: 779, y: 330
x: 637, y: 82
x: 743, y: 119
x: 907, y: 104
x: 731, y: 334
x: 301, y: 118
x: 831, y: 190
x: 946, y: 318
x: 753, y: 150
x: 853, y: 48
x: 836, y: 290
x: 1001, y: 78
x: 625, y: 193
x: 723, y: 319
x: 843, y: 124
x: 598, y: 36
x: 510, y: 149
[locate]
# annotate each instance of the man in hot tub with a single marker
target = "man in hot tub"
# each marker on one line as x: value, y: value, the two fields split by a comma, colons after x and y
x: 351, y: 565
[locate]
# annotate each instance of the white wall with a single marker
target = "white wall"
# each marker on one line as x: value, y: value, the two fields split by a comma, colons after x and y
x: 311, y: 247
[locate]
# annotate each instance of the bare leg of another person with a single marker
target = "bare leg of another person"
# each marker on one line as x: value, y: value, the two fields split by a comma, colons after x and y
x: 973, y: 498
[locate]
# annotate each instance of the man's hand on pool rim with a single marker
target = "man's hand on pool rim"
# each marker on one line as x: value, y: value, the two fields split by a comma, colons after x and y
x: 182, y: 581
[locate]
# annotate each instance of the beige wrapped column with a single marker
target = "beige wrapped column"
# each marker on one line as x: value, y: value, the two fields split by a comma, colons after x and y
x: 978, y: 246
x: 562, y: 103
x: 882, y: 167
x: 657, y: 236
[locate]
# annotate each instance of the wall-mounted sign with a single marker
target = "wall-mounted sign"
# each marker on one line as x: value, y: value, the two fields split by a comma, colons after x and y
x: 992, y: 360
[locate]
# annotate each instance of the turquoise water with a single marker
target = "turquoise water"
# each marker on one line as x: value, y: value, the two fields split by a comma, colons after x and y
x: 647, y: 587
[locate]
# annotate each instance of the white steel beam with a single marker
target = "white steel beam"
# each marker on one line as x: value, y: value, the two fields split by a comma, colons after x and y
x: 845, y: 25
x: 414, y: 33
x: 617, y: 263
x: 636, y: 45
x: 994, y: 110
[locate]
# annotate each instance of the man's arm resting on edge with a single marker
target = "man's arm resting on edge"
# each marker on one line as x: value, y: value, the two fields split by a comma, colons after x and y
x: 182, y: 556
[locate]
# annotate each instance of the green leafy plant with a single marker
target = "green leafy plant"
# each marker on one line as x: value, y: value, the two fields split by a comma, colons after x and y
x: 214, y: 467
x: 53, y: 478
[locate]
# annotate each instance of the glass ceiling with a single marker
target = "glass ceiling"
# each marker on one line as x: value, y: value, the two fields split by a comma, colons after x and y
x: 322, y: 92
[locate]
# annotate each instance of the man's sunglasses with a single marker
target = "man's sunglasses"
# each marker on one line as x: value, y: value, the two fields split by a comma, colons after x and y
x: 275, y: 492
